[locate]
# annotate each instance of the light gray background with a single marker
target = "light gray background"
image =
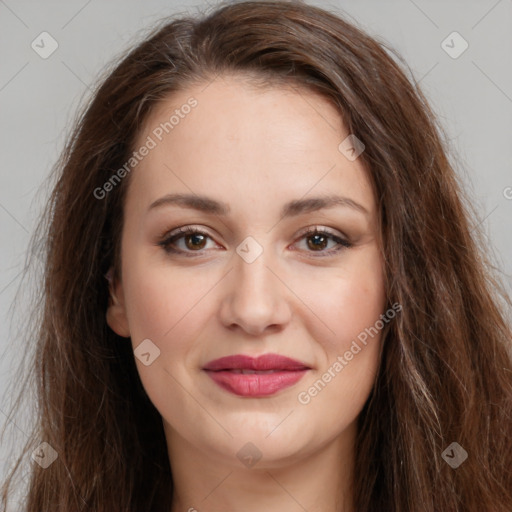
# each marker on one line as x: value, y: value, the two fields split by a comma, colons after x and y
x: 472, y: 95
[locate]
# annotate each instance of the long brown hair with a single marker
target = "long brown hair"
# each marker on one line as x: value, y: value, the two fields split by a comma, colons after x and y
x: 446, y: 370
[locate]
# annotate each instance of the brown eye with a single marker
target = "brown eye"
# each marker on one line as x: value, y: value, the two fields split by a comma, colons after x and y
x: 317, y: 242
x: 195, y: 241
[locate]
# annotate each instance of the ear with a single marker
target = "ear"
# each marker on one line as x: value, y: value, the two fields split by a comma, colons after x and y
x: 116, y: 311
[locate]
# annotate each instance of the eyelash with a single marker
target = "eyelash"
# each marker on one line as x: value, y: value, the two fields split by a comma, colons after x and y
x: 171, y: 238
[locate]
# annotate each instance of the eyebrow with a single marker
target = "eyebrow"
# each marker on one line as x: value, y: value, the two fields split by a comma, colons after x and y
x: 290, y: 209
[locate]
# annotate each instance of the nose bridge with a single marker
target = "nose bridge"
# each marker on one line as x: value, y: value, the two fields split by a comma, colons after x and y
x: 253, y: 276
x: 251, y: 262
x: 254, y: 298
x: 253, y: 281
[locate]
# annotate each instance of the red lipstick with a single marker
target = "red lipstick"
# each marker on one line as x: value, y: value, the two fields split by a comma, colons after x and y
x: 255, y: 377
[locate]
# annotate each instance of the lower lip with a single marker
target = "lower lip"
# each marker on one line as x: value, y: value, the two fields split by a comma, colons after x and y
x: 256, y: 384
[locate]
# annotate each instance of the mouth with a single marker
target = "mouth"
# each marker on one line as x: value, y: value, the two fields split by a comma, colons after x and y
x: 255, y: 377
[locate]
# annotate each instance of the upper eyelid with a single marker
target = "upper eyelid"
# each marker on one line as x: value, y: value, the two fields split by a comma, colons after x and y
x: 186, y: 230
x: 322, y: 229
x: 191, y: 229
x: 180, y: 232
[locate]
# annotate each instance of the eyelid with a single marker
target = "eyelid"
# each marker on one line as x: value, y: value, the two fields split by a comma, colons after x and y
x: 342, y: 240
x: 192, y: 228
x: 322, y: 229
x: 166, y: 239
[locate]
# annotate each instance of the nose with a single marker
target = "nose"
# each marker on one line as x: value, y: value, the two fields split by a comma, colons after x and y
x: 254, y: 299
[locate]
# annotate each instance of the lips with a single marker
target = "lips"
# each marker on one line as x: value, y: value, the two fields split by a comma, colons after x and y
x: 255, y: 377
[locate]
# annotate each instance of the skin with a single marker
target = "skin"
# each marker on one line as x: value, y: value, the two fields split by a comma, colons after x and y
x: 254, y: 149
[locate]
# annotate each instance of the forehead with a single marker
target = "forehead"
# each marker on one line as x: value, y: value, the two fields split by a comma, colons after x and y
x: 232, y: 140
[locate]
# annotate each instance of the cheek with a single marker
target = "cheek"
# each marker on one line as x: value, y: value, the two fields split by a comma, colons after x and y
x: 352, y: 309
x: 161, y: 300
x: 148, y: 305
x: 345, y: 302
x: 165, y: 308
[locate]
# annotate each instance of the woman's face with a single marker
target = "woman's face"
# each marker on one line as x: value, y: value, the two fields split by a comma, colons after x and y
x: 251, y: 171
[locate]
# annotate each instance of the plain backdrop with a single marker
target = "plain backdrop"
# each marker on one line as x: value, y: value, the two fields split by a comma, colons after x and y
x: 471, y: 94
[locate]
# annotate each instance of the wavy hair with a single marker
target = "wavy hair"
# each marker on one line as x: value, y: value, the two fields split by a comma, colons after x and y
x: 446, y: 369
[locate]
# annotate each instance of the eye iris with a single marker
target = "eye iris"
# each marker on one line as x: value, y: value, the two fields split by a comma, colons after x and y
x: 192, y: 245
x: 315, y: 245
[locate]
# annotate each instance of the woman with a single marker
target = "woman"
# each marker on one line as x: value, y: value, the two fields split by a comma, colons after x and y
x: 262, y: 289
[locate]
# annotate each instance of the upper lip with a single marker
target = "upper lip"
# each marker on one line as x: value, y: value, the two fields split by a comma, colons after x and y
x: 264, y: 362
